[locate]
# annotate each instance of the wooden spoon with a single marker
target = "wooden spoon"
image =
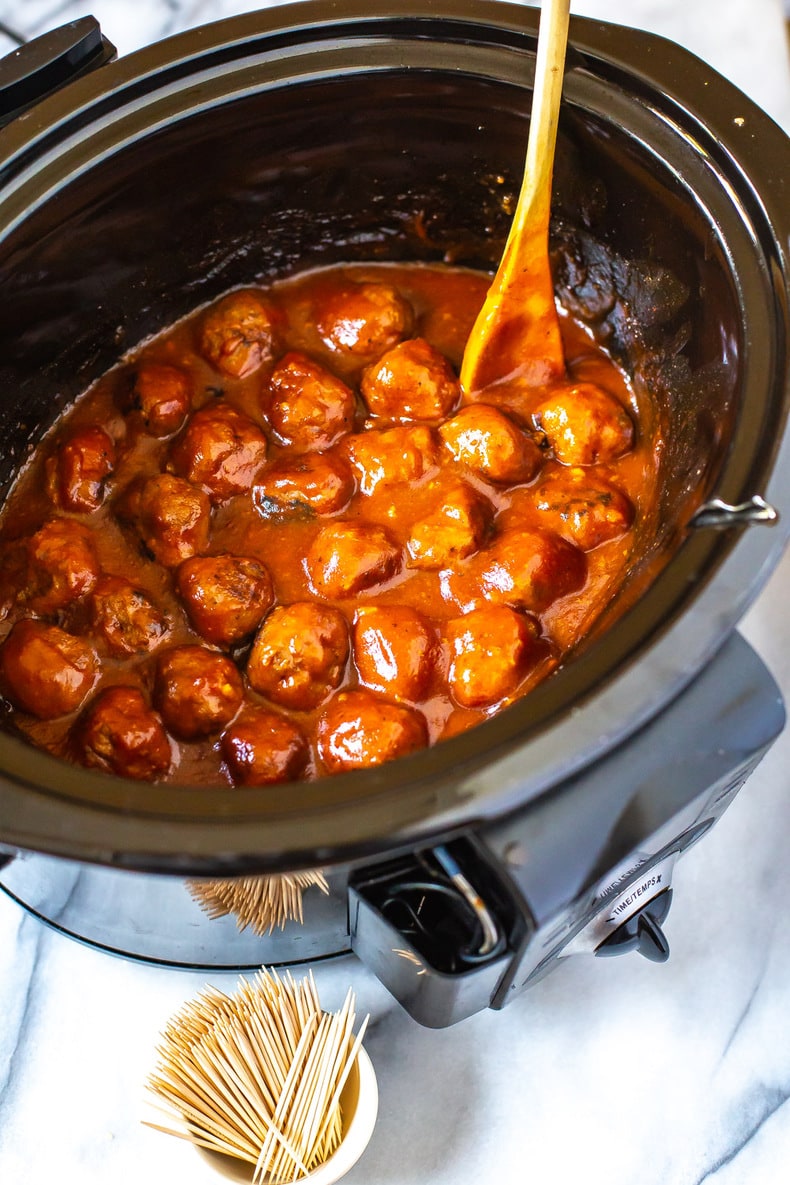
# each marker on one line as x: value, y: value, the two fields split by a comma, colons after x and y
x: 516, y: 337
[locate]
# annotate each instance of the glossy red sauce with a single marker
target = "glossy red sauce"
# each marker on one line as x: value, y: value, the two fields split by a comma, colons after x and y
x: 444, y: 575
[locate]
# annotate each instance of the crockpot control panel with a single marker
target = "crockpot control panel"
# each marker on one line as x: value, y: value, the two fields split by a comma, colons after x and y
x: 621, y: 825
x: 585, y: 869
x: 630, y: 919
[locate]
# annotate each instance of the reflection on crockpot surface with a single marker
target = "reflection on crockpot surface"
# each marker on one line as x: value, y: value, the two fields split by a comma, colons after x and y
x: 277, y: 541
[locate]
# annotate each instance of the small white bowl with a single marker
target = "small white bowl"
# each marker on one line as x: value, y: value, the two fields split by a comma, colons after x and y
x: 359, y: 1104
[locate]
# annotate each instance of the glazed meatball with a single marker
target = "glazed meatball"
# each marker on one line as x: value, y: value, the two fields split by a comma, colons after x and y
x: 226, y: 596
x: 299, y: 654
x: 391, y: 455
x: 78, y: 469
x: 346, y: 558
x: 62, y: 566
x: 522, y: 568
x: 489, y: 650
x: 46, y: 671
x: 120, y: 734
x: 490, y: 443
x: 394, y: 650
x: 221, y: 450
x: 158, y: 398
x: 171, y: 516
x: 585, y: 510
x: 412, y: 381
x: 125, y: 618
x: 239, y: 333
x: 585, y: 425
x: 359, y: 729
x: 453, y: 531
x: 310, y: 408
x: 318, y: 482
x: 197, y: 691
x: 363, y: 319
x: 262, y: 747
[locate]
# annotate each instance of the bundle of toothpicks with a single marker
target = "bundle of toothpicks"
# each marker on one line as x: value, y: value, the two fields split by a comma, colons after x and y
x: 261, y: 902
x: 258, y: 1074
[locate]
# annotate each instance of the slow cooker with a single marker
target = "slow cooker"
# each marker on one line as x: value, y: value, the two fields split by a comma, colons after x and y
x: 133, y: 190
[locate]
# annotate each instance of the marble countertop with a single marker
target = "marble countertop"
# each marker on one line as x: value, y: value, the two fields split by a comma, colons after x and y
x: 608, y: 1072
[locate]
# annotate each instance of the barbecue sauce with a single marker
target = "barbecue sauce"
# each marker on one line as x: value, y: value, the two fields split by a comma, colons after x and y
x: 281, y: 528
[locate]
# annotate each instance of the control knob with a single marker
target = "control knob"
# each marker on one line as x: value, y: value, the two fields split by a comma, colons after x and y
x: 642, y: 932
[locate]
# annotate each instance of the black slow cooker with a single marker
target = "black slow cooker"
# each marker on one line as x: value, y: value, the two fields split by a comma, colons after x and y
x: 131, y: 191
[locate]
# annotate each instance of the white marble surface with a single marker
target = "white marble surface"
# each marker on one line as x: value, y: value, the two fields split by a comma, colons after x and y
x: 613, y: 1072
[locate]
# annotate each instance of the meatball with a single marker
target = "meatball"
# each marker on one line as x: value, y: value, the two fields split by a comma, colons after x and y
x: 262, y: 747
x: 394, y: 650
x: 412, y: 381
x: 583, y: 509
x: 318, y: 482
x: 172, y: 517
x: 363, y: 319
x: 62, y: 566
x: 489, y: 442
x: 120, y: 734
x: 46, y: 671
x: 391, y: 455
x: 524, y: 569
x: 585, y: 425
x: 220, y: 449
x: 197, y: 691
x: 239, y: 333
x: 226, y: 596
x: 310, y: 408
x: 346, y: 558
x: 359, y: 729
x: 125, y: 618
x: 78, y: 469
x: 299, y: 654
x: 489, y: 650
x: 158, y: 398
x: 453, y: 531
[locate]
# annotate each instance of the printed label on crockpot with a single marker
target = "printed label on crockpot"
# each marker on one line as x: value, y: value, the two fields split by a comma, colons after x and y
x: 620, y: 875
x: 639, y: 893
x: 652, y: 885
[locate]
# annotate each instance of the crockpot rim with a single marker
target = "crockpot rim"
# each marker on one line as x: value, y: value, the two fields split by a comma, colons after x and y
x: 152, y: 838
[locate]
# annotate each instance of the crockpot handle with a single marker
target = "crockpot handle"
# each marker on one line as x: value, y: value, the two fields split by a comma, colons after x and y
x: 41, y: 66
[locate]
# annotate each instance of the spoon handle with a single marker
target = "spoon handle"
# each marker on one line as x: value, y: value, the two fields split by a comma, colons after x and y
x: 535, y: 198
